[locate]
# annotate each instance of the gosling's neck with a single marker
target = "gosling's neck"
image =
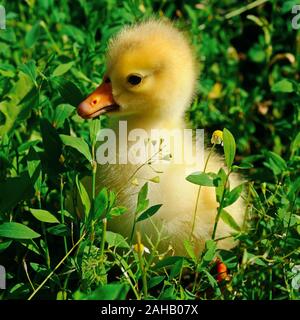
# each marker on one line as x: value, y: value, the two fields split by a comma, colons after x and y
x: 147, y: 121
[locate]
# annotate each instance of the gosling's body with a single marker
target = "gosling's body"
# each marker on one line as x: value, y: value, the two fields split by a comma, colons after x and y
x: 163, y: 57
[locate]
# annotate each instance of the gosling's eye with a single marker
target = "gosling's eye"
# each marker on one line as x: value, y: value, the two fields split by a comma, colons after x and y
x: 107, y: 80
x: 134, y: 79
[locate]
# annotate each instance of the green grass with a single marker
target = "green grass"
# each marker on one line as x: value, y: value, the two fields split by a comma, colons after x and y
x: 51, y: 56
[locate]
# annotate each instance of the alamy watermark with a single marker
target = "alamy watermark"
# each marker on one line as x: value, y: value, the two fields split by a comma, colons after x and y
x: 2, y: 278
x: 2, y: 18
x: 296, y: 18
x: 157, y: 146
x: 296, y: 278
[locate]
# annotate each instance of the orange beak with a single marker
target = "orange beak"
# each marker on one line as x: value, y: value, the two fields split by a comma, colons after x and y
x: 98, y: 102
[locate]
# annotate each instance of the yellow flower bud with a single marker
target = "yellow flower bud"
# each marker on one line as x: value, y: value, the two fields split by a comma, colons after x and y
x: 217, y: 137
x: 155, y: 179
x: 135, y: 182
x: 139, y: 248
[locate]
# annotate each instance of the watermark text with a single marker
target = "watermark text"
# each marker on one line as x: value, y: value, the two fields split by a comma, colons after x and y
x: 155, y: 146
x: 2, y: 18
x: 296, y: 18
x: 2, y: 278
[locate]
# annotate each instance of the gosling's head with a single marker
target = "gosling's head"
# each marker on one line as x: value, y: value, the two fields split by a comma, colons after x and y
x: 150, y: 70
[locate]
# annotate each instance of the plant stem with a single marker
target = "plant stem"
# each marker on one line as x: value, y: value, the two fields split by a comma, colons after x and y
x: 62, y: 210
x: 126, y: 271
x: 47, y: 255
x: 64, y: 289
x: 92, y: 213
x: 245, y: 8
x: 136, y: 171
x: 57, y: 266
x: 290, y: 219
x: 220, y: 207
x: 133, y: 227
x: 55, y: 46
x: 246, y: 215
x: 198, y: 194
x: 196, y: 279
x: 94, y: 171
x: 27, y: 274
x: 103, y: 238
x: 142, y: 266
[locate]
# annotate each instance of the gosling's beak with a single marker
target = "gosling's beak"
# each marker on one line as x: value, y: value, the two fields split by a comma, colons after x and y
x: 98, y: 102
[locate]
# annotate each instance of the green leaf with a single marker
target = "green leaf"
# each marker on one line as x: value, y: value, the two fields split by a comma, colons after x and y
x: 4, y: 245
x: 62, y: 112
x: 30, y: 245
x: 117, y: 211
x: 78, y: 35
x: 29, y: 69
x: 77, y: 143
x: 53, y: 147
x: 213, y: 282
x: 62, y: 69
x: 257, y: 53
x: 295, y: 145
x: 288, y: 5
x: 32, y: 35
x: 69, y: 92
x: 232, y: 196
x: 175, y: 270
x: 59, y: 230
x: 154, y: 281
x: 228, y: 219
x: 29, y: 103
x: 190, y: 250
x: 15, y: 190
x: 43, y: 215
x: 39, y: 268
x: 66, y: 213
x: 211, y: 247
x: 116, y: 240
x: 168, y: 261
x: 8, y: 34
x: 229, y: 147
x: 283, y: 85
x: 201, y: 179
x: 7, y: 70
x: 34, y: 168
x: 220, y: 181
x: 252, y: 258
x: 243, y: 166
x: 85, y: 199
x: 11, y: 107
x: 111, y: 199
x: 20, y: 290
x: 168, y: 294
x: 112, y: 291
x: 142, y: 202
x: 101, y: 203
x: 25, y: 146
x: 294, y: 189
x: 15, y: 230
x: 95, y: 126
x: 275, y: 162
x: 62, y: 295
x: 149, y: 212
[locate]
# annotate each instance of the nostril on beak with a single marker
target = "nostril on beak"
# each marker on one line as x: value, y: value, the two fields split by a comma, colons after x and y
x: 94, y: 102
x: 83, y: 109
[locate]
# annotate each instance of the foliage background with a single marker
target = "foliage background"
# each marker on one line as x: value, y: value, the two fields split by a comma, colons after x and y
x: 51, y: 56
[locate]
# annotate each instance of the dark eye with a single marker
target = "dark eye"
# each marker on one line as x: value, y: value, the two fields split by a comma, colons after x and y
x: 107, y: 80
x: 134, y: 79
